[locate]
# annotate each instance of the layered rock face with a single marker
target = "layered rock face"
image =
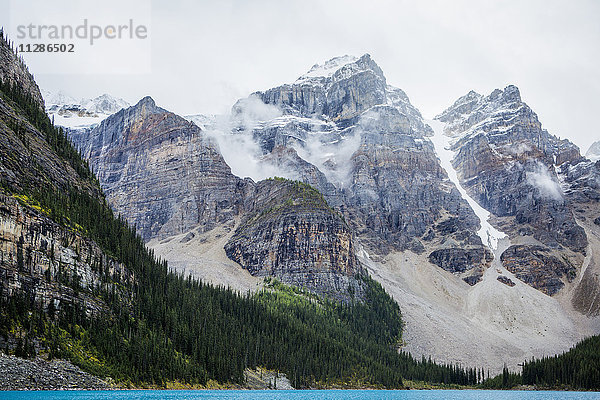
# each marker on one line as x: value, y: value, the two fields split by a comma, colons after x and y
x: 290, y: 232
x: 535, y: 266
x: 160, y: 171
x: 506, y: 161
x: 51, y: 265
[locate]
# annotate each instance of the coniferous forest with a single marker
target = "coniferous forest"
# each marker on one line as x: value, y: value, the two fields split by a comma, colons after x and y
x: 579, y: 368
x: 162, y: 326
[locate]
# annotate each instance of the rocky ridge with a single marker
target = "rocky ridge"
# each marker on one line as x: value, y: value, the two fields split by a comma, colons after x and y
x: 167, y: 177
x: 360, y: 142
x: 506, y: 161
x: 357, y: 140
x: 160, y: 171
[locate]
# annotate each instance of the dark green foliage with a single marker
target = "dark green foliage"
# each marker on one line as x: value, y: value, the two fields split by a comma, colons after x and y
x: 579, y: 368
x: 506, y: 380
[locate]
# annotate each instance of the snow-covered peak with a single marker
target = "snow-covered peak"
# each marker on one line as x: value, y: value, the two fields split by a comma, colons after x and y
x: 328, y: 68
x: 593, y: 152
x: 203, y: 121
x: 496, y: 113
x: 104, y: 104
x: 68, y: 112
x: 58, y: 98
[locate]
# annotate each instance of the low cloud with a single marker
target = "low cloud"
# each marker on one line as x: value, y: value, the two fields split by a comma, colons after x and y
x: 333, y: 159
x: 541, y: 179
x: 233, y: 134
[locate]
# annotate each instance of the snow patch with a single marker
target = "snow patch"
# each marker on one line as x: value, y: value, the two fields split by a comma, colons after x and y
x: 488, y: 234
x: 328, y: 68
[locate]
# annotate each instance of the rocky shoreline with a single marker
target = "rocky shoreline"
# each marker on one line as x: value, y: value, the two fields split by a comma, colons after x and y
x: 39, y: 374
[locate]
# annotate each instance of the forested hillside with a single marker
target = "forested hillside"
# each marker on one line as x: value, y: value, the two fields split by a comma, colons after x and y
x: 579, y: 368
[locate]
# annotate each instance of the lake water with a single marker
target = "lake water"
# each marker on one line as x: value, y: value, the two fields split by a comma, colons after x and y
x: 299, y: 395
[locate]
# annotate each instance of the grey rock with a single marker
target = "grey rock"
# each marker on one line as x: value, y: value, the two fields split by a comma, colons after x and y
x: 506, y: 280
x: 40, y: 374
x: 506, y: 161
x: 289, y: 232
x: 536, y: 266
x: 161, y: 172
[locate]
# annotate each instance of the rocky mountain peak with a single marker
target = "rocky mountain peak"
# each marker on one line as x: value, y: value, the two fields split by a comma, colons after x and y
x: 340, y: 89
x: 510, y: 94
x: 593, y: 152
x: 341, y: 67
x: 328, y: 68
x: 146, y: 103
x: 507, y: 162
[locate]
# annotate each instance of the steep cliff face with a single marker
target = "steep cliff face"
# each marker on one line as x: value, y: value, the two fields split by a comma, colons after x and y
x: 580, y: 181
x: 506, y: 161
x: 51, y: 265
x: 290, y: 232
x: 161, y: 172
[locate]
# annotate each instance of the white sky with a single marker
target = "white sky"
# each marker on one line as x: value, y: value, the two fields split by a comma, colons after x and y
x: 205, y: 55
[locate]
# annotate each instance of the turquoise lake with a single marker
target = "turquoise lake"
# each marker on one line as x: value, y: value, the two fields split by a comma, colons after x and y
x: 300, y: 395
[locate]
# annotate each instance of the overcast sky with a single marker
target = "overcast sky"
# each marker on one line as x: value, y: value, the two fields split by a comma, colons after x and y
x: 205, y: 55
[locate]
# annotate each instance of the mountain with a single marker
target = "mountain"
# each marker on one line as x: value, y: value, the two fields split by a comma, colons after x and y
x: 189, y: 191
x: 593, y: 152
x: 506, y: 161
x: 68, y: 112
x: 474, y: 220
x: 79, y: 283
x: 168, y: 178
x: 539, y: 189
